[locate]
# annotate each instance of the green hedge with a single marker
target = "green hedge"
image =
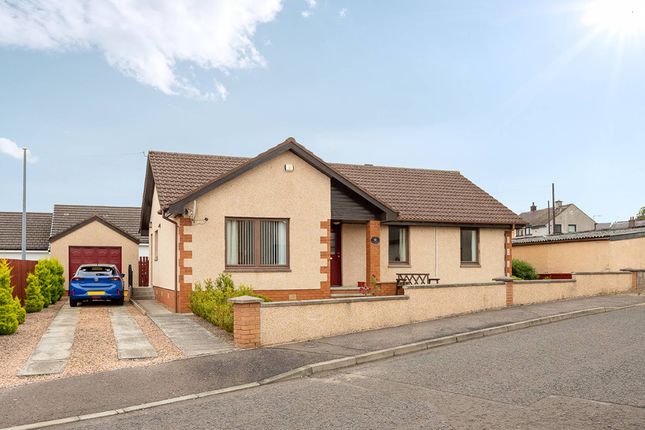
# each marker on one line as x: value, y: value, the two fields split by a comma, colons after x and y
x: 11, y: 313
x: 210, y: 301
x: 524, y: 270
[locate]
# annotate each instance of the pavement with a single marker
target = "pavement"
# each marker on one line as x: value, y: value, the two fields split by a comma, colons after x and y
x: 191, y: 338
x: 55, y: 347
x: 126, y: 387
x: 582, y: 373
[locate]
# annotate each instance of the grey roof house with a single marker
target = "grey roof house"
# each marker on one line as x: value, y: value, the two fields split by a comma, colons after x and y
x: 38, y: 231
x: 568, y: 219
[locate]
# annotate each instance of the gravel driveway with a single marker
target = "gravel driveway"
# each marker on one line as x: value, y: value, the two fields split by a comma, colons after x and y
x: 94, y: 348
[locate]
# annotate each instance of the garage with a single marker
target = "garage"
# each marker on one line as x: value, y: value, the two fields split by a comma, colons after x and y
x: 93, y: 255
x: 96, y: 235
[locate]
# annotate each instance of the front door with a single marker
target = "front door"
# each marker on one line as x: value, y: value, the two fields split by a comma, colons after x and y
x: 335, y: 259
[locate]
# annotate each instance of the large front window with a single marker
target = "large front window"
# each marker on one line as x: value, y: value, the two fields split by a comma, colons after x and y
x: 256, y: 242
x: 469, y: 246
x: 398, y: 245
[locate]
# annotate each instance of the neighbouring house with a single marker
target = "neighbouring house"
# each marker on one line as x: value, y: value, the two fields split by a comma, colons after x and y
x: 568, y: 219
x: 97, y: 234
x: 621, y: 225
x: 295, y: 227
x: 38, y: 231
x: 591, y: 251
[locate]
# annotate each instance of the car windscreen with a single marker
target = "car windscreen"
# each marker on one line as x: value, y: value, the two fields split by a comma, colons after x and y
x: 95, y: 271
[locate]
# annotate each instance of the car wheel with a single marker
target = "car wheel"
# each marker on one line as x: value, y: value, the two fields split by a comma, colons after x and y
x: 73, y: 303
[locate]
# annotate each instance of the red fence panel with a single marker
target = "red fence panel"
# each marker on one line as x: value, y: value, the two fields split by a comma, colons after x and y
x: 21, y: 268
x: 144, y: 274
x: 555, y: 276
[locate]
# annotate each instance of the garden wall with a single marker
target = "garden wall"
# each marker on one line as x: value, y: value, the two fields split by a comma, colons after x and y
x: 282, y: 322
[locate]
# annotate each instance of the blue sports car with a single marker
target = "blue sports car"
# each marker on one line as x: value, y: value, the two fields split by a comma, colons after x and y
x: 96, y: 282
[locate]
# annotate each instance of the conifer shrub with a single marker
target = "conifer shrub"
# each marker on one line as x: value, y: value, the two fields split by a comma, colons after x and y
x: 8, y: 311
x: 34, y: 300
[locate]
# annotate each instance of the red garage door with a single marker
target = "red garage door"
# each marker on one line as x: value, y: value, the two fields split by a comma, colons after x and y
x: 93, y: 255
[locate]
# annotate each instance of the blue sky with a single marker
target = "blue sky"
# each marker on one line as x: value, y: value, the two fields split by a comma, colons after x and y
x: 515, y: 95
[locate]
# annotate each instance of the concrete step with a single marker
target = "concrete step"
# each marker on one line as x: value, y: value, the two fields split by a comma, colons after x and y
x: 348, y: 288
x: 345, y: 295
x: 143, y: 293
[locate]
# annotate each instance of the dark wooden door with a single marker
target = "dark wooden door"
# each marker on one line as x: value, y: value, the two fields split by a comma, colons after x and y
x: 335, y: 257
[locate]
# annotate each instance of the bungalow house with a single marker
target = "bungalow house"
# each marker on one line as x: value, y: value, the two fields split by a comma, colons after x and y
x: 38, y: 229
x: 294, y: 227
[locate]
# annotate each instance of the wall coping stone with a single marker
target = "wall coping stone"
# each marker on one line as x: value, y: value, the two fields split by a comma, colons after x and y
x: 632, y: 270
x: 435, y: 286
x: 504, y: 279
x: 600, y: 273
x: 544, y: 281
x: 332, y: 301
x: 245, y: 300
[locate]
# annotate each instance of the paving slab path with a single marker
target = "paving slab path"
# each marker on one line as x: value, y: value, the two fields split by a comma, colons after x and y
x: 131, y: 343
x: 55, y: 347
x: 191, y: 338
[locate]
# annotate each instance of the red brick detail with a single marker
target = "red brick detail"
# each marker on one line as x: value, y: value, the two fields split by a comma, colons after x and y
x: 165, y: 297
x: 286, y: 295
x: 509, y: 293
x: 325, y: 284
x: 373, y: 251
x: 508, y: 253
x: 634, y: 281
x: 246, y: 325
x: 387, y: 289
x: 184, y: 287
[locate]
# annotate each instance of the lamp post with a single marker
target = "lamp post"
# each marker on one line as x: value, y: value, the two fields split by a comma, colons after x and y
x: 24, y: 204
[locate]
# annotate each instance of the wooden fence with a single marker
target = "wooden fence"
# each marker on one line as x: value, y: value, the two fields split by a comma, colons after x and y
x: 144, y: 274
x: 21, y: 268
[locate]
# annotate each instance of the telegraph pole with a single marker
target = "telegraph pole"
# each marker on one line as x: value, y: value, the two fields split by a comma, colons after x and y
x: 24, y: 204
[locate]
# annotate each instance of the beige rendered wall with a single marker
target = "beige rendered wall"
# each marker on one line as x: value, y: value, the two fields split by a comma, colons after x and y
x: 303, y: 196
x: 305, y: 320
x: 162, y: 266
x: 354, y: 239
x: 437, y: 250
x: 97, y: 234
x: 588, y: 256
x: 583, y: 285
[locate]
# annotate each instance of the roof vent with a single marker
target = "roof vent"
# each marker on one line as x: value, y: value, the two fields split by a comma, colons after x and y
x: 367, y: 164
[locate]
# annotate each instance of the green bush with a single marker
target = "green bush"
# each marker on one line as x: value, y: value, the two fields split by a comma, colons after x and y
x: 210, y: 301
x: 523, y: 270
x: 34, y: 300
x: 51, y: 280
x: 8, y: 311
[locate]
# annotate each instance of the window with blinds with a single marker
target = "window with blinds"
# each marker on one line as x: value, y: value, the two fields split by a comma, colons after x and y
x: 257, y: 242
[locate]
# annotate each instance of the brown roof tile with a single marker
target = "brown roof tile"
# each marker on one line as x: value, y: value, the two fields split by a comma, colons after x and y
x: 123, y: 217
x: 418, y: 195
x: 38, y: 227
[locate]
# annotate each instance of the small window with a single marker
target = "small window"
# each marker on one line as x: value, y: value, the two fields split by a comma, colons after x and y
x: 156, y: 245
x: 558, y: 229
x: 254, y: 242
x: 571, y: 228
x: 398, y: 245
x: 469, y: 246
x: 519, y: 232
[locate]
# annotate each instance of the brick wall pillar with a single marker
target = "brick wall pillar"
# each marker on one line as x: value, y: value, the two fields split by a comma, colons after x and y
x: 373, y: 251
x: 508, y: 281
x: 508, y: 253
x: 246, y: 321
x: 185, y: 264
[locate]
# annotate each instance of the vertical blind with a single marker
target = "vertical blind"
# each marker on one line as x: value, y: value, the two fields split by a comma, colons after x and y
x: 250, y: 239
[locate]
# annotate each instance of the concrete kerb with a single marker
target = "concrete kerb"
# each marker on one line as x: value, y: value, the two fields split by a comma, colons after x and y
x: 335, y: 364
x: 138, y: 306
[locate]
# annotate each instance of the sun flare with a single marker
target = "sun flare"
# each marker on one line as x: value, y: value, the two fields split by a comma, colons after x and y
x: 619, y: 17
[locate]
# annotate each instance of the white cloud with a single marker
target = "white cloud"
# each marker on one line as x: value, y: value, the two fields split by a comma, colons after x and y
x: 221, y: 90
x: 10, y: 148
x: 311, y: 5
x: 146, y: 40
x: 343, y: 12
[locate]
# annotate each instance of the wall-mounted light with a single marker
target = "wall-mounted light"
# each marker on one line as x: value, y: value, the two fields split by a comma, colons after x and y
x: 288, y: 167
